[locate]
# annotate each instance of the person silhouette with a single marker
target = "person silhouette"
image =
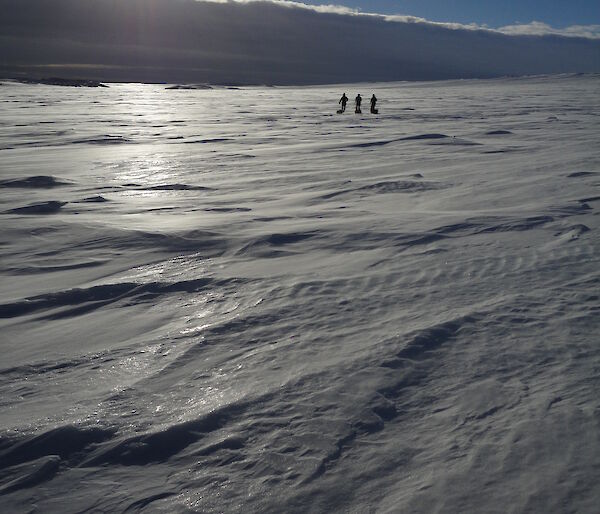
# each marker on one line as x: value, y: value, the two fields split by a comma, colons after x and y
x: 373, y: 102
x: 343, y: 101
x: 358, y: 101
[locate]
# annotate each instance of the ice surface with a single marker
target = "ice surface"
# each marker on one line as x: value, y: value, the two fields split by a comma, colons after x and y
x: 224, y: 300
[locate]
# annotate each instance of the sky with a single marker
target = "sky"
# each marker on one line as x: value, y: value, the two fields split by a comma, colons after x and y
x: 279, y: 43
x: 495, y: 14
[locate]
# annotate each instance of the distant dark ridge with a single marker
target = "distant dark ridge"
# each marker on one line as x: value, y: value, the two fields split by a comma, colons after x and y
x: 577, y: 174
x: 189, y: 86
x: 385, y: 187
x: 106, y: 139
x: 94, y: 199
x: 31, y: 473
x: 62, y: 441
x: 407, y: 138
x: 498, y: 133
x: 86, y: 299
x: 58, y: 81
x: 39, y: 181
x: 51, y: 207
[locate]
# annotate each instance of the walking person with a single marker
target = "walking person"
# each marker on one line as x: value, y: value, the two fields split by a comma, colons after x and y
x: 358, y: 101
x: 343, y: 101
x: 373, y: 102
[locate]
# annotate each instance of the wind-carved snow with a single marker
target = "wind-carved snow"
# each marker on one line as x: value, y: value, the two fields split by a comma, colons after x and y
x: 236, y: 301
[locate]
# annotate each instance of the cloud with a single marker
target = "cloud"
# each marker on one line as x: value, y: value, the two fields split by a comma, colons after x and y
x: 323, y: 8
x: 537, y: 28
x: 534, y: 28
x: 258, y: 42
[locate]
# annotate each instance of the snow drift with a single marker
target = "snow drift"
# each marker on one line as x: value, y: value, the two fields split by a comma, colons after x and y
x: 215, y: 301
